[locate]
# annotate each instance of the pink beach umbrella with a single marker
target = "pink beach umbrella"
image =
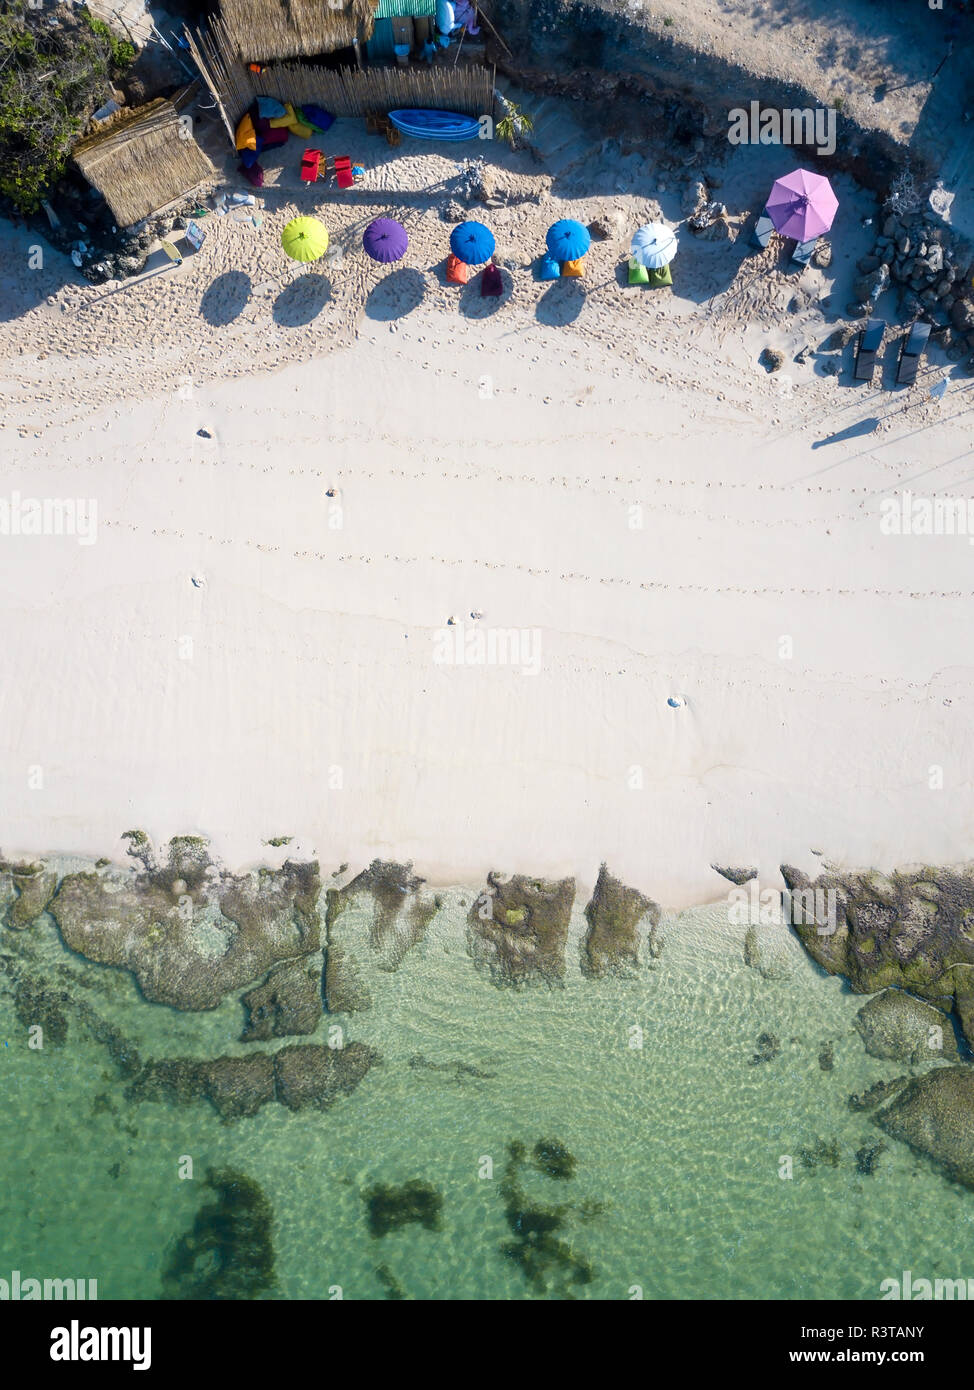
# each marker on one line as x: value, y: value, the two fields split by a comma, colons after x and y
x: 802, y: 205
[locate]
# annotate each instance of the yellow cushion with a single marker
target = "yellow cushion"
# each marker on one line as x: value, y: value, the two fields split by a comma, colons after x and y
x: 288, y: 119
x: 574, y: 267
x: 246, y: 134
x: 303, y: 132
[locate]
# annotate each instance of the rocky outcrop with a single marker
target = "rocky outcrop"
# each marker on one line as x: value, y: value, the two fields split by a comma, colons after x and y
x: 287, y: 1004
x: 934, y: 1114
x: 913, y: 929
x: 400, y: 913
x: 517, y: 929
x: 237, y: 1087
x: 737, y: 876
x: 189, y: 933
x: 613, y: 944
x: 25, y: 892
x: 313, y: 1075
x: 896, y: 1025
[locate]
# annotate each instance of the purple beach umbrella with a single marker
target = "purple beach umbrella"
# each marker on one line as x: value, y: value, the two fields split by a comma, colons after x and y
x: 385, y: 240
x: 802, y: 205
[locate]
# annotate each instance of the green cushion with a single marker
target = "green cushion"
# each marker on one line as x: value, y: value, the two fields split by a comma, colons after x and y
x: 663, y: 276
x: 638, y: 274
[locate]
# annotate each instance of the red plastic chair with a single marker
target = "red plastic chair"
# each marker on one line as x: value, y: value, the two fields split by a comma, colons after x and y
x: 343, y: 171
x: 311, y: 165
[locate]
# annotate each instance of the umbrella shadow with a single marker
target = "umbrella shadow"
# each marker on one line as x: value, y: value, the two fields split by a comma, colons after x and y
x: 397, y: 295
x: 300, y: 302
x: 562, y: 303
x: 475, y: 305
x: 855, y: 431
x: 226, y: 298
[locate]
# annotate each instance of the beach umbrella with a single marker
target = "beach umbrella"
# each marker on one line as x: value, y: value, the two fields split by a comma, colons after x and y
x: 568, y: 240
x: 802, y: 205
x: 472, y: 243
x: 385, y: 240
x: 653, y: 246
x: 305, y: 239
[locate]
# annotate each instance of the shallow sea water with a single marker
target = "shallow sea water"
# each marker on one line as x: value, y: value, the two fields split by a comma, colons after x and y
x: 680, y: 1140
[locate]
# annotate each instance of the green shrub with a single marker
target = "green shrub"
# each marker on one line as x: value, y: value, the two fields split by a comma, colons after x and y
x: 51, y: 79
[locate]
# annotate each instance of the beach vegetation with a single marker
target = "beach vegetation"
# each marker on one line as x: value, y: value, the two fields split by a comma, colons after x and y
x: 513, y: 125
x: 51, y: 79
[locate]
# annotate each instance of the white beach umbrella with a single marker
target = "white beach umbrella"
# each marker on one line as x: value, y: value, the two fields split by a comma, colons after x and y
x: 653, y: 246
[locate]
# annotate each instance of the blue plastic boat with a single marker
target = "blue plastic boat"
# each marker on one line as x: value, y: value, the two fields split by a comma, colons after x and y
x: 436, y: 125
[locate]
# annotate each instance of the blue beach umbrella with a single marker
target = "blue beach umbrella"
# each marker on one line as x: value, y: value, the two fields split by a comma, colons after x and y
x: 568, y: 240
x: 472, y: 243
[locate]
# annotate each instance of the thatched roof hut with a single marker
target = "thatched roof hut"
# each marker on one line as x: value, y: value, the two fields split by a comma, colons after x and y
x: 143, y: 160
x: 264, y: 30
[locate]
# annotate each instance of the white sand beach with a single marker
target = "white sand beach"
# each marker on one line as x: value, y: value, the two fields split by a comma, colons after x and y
x: 608, y: 472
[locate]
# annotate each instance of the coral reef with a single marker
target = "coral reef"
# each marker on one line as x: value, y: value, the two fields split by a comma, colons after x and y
x: 229, y: 1252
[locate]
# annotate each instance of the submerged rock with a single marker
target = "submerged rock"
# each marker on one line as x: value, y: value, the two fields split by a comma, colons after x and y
x: 615, y: 914
x: 934, y: 1114
x: 401, y: 912
x: 38, y: 1006
x: 229, y: 1252
x: 187, y: 932
x: 25, y: 892
x: 867, y: 1158
x: 517, y: 929
x: 913, y: 929
x: 877, y: 1094
x: 769, y: 1045
x: 309, y: 1074
x: 895, y: 1025
x: 287, y: 1004
x: 236, y: 1087
x: 391, y: 1207
x: 344, y: 989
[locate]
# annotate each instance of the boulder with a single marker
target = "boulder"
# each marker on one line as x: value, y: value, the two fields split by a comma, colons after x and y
x: 895, y: 1025
x: 613, y: 944
x: 934, y: 1114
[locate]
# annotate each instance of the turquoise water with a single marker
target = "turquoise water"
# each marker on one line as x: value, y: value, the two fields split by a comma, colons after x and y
x: 679, y: 1141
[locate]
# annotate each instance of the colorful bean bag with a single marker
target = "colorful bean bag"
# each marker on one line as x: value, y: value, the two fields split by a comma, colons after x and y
x: 246, y: 134
x: 456, y: 272
x: 254, y: 174
x: 661, y: 277
x: 273, y: 138
x: 269, y: 107
x: 548, y: 268
x: 316, y: 117
x: 638, y: 274
x: 303, y: 132
x: 491, y: 283
x: 248, y: 158
x: 289, y: 117
x: 573, y: 268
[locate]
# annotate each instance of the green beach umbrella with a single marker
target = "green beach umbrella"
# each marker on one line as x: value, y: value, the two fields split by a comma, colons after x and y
x: 305, y: 239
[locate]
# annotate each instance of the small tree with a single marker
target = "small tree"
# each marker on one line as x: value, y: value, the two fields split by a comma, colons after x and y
x: 514, y: 124
x: 51, y: 79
